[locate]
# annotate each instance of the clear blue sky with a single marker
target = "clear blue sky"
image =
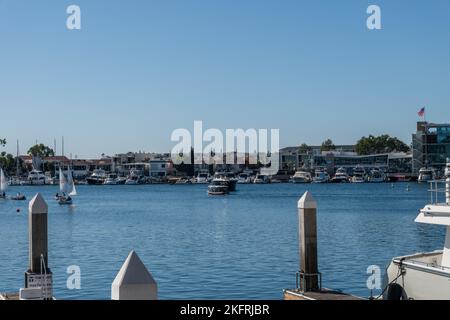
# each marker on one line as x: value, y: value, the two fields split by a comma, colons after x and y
x: 139, y: 69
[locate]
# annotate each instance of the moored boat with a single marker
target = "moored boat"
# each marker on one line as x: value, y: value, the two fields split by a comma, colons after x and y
x: 301, y: 176
x: 203, y: 177
x: 35, y: 178
x: 111, y: 179
x: 359, y: 175
x: 321, y: 176
x: 376, y: 175
x: 97, y: 177
x: 341, y: 176
x: 426, y: 174
x: 244, y: 178
x: 424, y: 275
x: 183, y: 180
x: 261, y: 179
x: 135, y: 177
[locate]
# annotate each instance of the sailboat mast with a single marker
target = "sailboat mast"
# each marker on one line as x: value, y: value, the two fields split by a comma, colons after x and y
x: 17, y: 159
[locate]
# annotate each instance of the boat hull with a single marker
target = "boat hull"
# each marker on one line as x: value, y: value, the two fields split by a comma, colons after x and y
x: 94, y: 181
x: 419, y: 281
x: 300, y: 180
x: 339, y: 180
x: 18, y: 198
x: 218, y: 190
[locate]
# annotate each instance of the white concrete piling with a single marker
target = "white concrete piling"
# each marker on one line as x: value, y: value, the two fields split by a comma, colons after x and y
x: 307, y: 227
x: 134, y: 281
x: 38, y: 274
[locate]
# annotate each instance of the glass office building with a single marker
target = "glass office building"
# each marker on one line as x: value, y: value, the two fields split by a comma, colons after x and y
x: 431, y: 146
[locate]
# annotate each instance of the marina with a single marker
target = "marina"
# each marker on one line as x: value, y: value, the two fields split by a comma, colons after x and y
x: 246, y: 242
x: 247, y: 157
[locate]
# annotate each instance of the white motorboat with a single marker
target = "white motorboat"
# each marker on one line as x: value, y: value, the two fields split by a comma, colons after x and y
x: 121, y: 180
x: 261, y: 179
x: 111, y: 179
x: 3, y: 184
x: 203, y: 177
x: 321, y: 176
x: 97, y: 177
x: 425, y: 275
x: 426, y: 174
x: 135, y: 177
x: 183, y: 180
x: 35, y: 178
x: 301, y: 176
x: 244, y: 178
x: 49, y: 179
x: 219, y: 186
x: 359, y: 175
x: 376, y: 175
x: 341, y: 176
x: 230, y: 177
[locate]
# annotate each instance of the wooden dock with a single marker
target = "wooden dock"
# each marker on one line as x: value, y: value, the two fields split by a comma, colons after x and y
x: 9, y: 296
x: 324, y: 294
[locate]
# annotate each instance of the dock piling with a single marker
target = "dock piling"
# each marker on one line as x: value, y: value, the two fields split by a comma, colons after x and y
x: 309, y: 275
x: 39, y: 274
x: 134, y: 281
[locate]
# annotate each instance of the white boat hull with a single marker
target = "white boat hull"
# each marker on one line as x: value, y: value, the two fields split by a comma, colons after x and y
x: 420, y: 280
x: 300, y: 180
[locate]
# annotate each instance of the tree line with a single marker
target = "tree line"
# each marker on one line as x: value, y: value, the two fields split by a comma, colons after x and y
x: 366, y: 145
x: 9, y: 162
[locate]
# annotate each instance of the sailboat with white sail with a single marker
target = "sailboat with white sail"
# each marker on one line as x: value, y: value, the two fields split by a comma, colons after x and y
x: 3, y: 184
x: 66, y: 188
x: 71, y: 183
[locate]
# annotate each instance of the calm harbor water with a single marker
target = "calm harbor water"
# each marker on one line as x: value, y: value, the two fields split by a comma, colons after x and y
x: 241, y: 246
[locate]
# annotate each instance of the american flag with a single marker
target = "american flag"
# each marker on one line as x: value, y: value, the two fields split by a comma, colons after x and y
x: 421, y: 112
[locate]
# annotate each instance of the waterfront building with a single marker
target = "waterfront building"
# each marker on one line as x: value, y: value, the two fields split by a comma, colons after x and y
x: 29, y: 162
x: 161, y: 168
x: 138, y: 157
x: 292, y: 160
x: 431, y: 146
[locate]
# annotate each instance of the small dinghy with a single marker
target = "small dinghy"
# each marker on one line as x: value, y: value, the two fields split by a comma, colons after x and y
x: 65, y: 200
x: 19, y: 197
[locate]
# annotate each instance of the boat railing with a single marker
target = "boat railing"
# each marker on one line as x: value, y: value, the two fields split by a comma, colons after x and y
x: 433, y: 264
x: 437, y: 189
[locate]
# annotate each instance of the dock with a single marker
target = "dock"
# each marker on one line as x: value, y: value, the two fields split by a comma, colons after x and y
x: 9, y: 296
x: 323, y: 294
x: 308, y: 280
